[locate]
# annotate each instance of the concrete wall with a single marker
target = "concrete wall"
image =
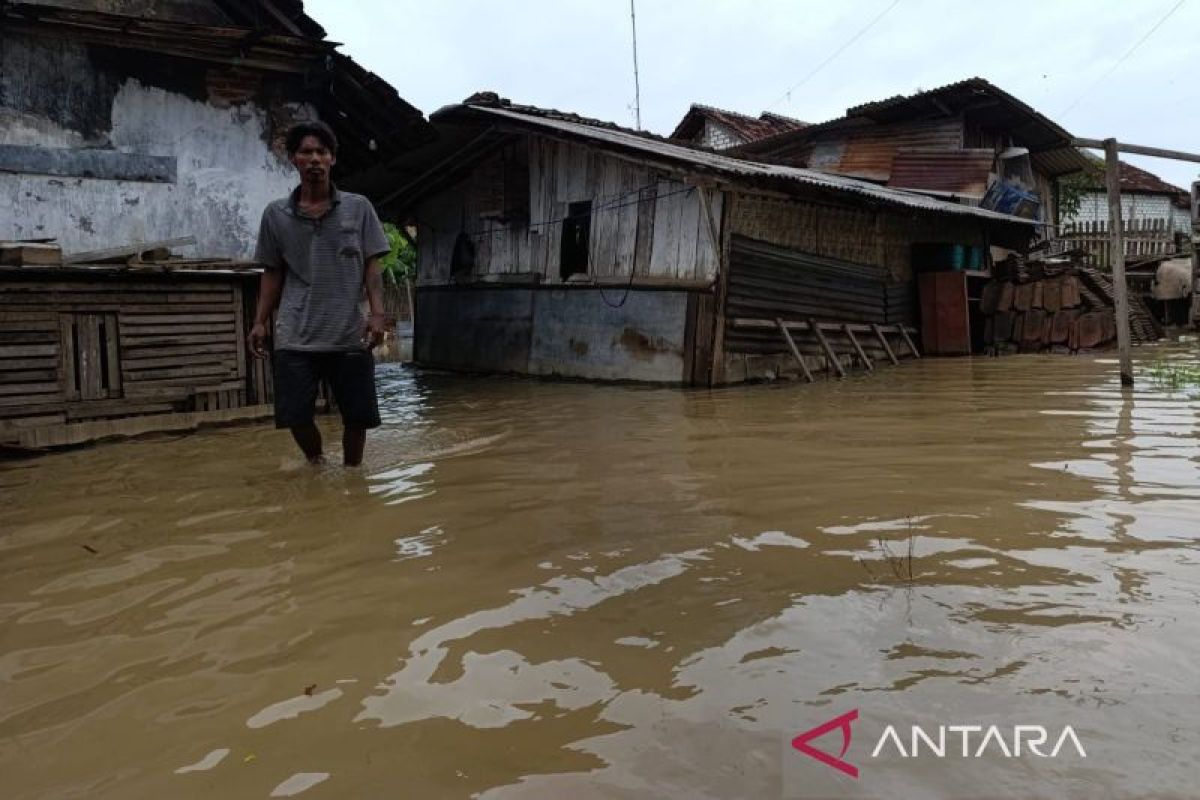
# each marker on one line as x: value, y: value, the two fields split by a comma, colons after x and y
x: 559, y: 332
x: 55, y: 95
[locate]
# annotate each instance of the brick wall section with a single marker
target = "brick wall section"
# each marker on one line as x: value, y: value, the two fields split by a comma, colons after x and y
x: 718, y: 137
x: 228, y: 87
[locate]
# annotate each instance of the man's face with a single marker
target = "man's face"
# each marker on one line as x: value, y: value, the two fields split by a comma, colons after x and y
x: 313, y: 159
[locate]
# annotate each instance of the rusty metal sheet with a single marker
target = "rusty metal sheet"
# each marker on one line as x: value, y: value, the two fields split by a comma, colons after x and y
x: 958, y: 172
x: 869, y: 153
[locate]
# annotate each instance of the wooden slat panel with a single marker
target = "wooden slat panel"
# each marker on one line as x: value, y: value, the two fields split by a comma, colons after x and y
x: 225, y: 359
x: 169, y: 348
x: 28, y: 337
x: 45, y: 387
x: 142, y: 319
x: 117, y: 283
x: 91, y: 363
x: 147, y: 331
x: 29, y: 376
x: 31, y: 400
x: 145, y: 302
x: 22, y: 350
x: 166, y: 340
x: 45, y: 362
x: 645, y: 229
x: 68, y: 371
x: 668, y: 218
x: 112, y: 360
x: 219, y: 370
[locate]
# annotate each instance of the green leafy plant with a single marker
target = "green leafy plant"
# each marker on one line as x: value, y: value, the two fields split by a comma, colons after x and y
x: 1175, y: 376
x: 1073, y: 187
x: 400, y: 264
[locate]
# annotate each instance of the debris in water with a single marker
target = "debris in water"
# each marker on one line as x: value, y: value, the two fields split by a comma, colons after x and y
x: 308, y: 690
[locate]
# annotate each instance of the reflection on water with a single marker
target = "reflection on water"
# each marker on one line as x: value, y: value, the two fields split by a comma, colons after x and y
x: 548, y: 590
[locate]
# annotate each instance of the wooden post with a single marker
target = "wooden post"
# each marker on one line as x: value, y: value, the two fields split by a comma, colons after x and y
x: 908, y: 342
x: 1194, y: 317
x: 1116, y: 257
x: 887, y: 348
x: 832, y: 356
x: 787, y: 337
x: 862, y: 355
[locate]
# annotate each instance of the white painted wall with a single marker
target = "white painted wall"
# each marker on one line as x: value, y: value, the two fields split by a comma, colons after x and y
x: 226, y: 171
x: 1093, y: 207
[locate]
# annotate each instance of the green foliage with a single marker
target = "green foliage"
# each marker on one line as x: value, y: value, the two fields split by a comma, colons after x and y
x: 1176, y: 376
x: 401, y: 263
x: 1072, y: 188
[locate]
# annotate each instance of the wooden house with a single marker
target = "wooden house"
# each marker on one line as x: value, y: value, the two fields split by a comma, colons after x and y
x: 137, y: 121
x: 125, y: 124
x: 550, y: 244
x: 92, y: 351
x: 955, y: 142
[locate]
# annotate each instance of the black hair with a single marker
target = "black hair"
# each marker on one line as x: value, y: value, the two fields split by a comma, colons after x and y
x: 314, y: 128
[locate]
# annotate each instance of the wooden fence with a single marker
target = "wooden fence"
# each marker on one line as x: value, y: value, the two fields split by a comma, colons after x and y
x: 1143, y: 237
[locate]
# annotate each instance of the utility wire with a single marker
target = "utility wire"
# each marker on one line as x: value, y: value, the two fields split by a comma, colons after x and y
x: 862, y: 32
x: 1123, y: 58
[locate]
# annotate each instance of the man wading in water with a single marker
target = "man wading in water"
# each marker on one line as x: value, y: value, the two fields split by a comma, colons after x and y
x: 320, y: 247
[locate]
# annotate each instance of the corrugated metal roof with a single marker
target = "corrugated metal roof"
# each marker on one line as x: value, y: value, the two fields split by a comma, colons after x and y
x: 958, y: 172
x: 983, y: 102
x: 656, y: 147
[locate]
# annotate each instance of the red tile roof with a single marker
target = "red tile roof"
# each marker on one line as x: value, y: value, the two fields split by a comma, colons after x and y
x: 751, y: 129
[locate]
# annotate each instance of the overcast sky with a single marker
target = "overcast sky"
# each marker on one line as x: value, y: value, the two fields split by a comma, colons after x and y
x: 576, y: 55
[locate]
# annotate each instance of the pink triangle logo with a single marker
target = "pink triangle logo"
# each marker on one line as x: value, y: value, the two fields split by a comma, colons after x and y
x: 801, y: 743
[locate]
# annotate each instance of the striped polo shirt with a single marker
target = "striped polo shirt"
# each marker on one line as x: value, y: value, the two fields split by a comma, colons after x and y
x: 325, y: 257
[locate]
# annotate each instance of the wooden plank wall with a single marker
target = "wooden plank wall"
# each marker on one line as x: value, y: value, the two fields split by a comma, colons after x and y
x: 641, y: 220
x: 1140, y: 237
x: 768, y: 282
x: 82, y: 348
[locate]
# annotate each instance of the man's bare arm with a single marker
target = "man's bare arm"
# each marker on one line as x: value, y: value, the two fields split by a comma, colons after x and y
x: 373, y: 280
x: 270, y: 286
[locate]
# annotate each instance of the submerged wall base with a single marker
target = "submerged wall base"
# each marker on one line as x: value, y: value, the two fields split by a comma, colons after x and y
x: 571, y: 332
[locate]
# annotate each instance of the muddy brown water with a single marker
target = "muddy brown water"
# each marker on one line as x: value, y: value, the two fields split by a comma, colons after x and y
x: 566, y: 590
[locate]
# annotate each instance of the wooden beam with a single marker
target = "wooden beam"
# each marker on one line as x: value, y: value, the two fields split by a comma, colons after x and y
x: 787, y: 337
x: 908, y: 341
x: 887, y: 348
x: 1116, y: 256
x: 862, y: 355
x: 1137, y: 149
x: 832, y: 356
x: 93, y: 256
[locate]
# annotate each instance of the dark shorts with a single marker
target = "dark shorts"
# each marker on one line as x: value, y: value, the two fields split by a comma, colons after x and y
x: 351, y: 376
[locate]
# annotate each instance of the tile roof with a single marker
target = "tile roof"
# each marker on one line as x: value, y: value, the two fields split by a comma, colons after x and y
x: 749, y: 128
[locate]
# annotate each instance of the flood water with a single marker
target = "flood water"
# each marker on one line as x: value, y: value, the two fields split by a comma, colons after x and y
x: 545, y: 590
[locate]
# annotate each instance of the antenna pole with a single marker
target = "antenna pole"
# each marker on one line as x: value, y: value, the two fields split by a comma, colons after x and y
x: 637, y: 88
